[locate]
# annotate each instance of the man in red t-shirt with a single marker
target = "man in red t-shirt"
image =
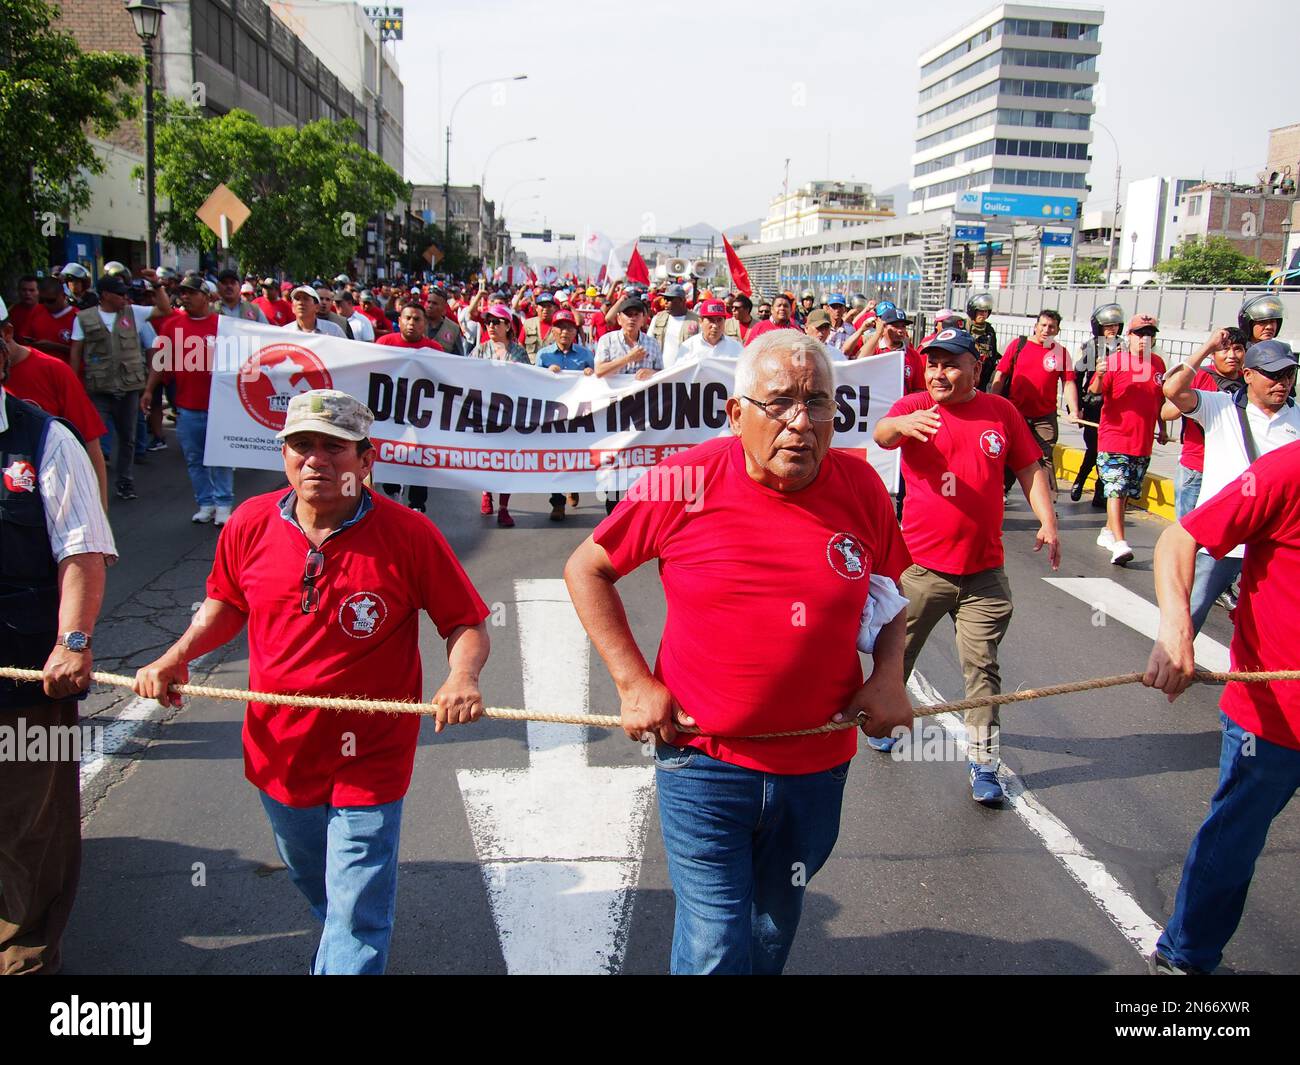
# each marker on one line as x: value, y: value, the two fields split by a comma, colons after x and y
x: 412, y: 331
x: 51, y: 385
x: 782, y: 318
x: 345, y: 621
x: 278, y: 310
x: 956, y: 441
x: 27, y: 305
x: 1029, y: 374
x: 1259, y: 763
x: 735, y: 811
x: 184, y: 357
x: 1130, y: 383
x: 890, y: 334
x: 51, y: 332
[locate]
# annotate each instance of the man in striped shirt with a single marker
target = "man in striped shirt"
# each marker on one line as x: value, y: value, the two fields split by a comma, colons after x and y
x: 629, y: 350
x: 52, y: 559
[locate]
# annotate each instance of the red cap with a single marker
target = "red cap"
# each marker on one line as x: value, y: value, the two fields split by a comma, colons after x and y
x: 1142, y: 321
x: 563, y: 318
x: 711, y: 309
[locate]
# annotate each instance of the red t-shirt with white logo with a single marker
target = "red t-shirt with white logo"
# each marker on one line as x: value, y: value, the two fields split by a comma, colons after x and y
x: 1261, y: 509
x: 1036, y: 371
x: 396, y: 340
x: 278, y: 312
x: 765, y: 591
x: 184, y: 353
x: 50, y: 383
x: 1193, y: 453
x: 952, y: 520
x: 362, y: 640
x: 1132, y: 388
x: 52, y: 328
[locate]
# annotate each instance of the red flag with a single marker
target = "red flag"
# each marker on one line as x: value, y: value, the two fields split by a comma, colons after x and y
x: 739, y: 275
x: 637, y: 270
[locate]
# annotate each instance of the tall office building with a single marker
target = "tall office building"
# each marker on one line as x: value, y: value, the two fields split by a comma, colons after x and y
x: 1005, y: 104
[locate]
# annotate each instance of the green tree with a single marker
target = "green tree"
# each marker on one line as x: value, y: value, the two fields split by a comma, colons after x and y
x: 1212, y: 262
x: 310, y: 189
x: 52, y: 95
x: 456, y: 258
x: 1086, y: 271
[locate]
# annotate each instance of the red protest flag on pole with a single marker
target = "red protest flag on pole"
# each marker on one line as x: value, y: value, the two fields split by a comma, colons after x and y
x: 637, y: 271
x: 739, y: 275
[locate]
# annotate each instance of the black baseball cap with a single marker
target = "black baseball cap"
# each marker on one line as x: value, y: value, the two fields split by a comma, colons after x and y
x: 1271, y: 356
x: 954, y: 342
x: 895, y: 316
x: 633, y: 301
x: 228, y: 275
x: 115, y: 285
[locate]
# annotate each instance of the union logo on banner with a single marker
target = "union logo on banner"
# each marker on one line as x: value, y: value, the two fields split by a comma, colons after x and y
x: 273, y: 376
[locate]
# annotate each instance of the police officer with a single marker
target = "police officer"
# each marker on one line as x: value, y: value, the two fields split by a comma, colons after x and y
x: 232, y: 303
x: 1260, y: 318
x: 1107, y: 321
x: 978, y: 309
x: 54, y: 542
x: 77, y: 279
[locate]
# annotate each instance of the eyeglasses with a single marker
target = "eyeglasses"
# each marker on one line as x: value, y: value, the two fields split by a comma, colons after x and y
x: 786, y: 409
x: 1277, y: 375
x: 311, y: 572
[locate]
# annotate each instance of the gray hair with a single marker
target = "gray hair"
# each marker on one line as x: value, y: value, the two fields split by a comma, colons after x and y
x: 778, y: 342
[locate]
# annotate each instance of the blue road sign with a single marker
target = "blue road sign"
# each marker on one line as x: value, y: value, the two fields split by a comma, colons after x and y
x: 969, y: 233
x: 1057, y: 240
x: 1017, y: 205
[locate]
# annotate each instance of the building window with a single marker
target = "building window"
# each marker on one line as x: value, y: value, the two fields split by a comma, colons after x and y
x: 1048, y: 90
x: 959, y: 104
x: 1042, y: 179
x: 961, y: 184
x: 1042, y: 119
x: 1193, y: 206
x: 214, y: 33
x: 1026, y: 57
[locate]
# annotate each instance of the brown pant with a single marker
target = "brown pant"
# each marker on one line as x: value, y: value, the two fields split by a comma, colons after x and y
x: 1046, y: 431
x: 980, y: 606
x: 40, y: 848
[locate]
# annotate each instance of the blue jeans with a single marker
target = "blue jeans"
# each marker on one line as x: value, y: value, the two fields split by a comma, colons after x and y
x: 741, y: 844
x: 1187, y: 490
x: 344, y: 859
x: 1253, y: 789
x: 1211, y: 580
x: 214, y: 486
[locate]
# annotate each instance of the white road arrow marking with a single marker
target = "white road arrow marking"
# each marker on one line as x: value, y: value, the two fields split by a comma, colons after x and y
x: 560, y: 842
x: 1116, y: 601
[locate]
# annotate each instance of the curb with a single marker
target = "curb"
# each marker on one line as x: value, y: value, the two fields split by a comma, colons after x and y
x: 1157, y: 492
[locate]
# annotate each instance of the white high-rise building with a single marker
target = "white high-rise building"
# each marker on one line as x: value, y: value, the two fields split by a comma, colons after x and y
x: 1150, y: 222
x: 1004, y: 105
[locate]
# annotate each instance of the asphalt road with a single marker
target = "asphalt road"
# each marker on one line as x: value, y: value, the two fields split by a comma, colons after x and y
x: 180, y: 873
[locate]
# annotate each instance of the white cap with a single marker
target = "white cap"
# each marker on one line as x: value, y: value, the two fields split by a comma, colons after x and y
x: 305, y: 290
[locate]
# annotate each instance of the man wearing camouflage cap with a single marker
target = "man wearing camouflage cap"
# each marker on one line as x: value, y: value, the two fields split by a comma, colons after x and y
x: 330, y: 579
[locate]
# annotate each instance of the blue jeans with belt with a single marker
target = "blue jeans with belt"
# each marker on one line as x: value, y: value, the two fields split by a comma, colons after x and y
x: 214, y: 486
x: 1212, y: 578
x: 742, y: 845
x: 344, y: 859
x: 1256, y: 781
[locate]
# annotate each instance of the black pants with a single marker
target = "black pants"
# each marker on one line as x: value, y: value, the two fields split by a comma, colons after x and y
x: 1089, y: 462
x: 416, y: 495
x: 121, y: 411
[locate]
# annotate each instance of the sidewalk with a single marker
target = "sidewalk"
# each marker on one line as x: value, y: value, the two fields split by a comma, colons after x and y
x: 1157, y: 489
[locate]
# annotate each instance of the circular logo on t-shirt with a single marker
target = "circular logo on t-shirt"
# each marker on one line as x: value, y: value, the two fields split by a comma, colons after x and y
x: 273, y: 376
x: 362, y: 613
x: 20, y: 476
x: 1049, y: 362
x: 1160, y: 379
x: 848, y: 557
x: 992, y: 443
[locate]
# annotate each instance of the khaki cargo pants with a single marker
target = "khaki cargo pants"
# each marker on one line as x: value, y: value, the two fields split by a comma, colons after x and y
x: 980, y: 606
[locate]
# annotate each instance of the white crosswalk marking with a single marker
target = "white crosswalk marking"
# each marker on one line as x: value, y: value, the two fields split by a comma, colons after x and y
x: 1102, y: 887
x: 1129, y: 608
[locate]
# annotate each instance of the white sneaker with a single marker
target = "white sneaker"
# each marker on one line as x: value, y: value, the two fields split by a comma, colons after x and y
x: 1106, y: 538
x: 221, y: 516
x: 203, y: 515
x: 1121, y: 553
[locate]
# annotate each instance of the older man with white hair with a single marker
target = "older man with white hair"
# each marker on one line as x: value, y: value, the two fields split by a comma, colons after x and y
x: 770, y: 525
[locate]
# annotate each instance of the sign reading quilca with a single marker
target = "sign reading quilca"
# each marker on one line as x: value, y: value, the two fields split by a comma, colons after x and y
x: 453, y: 422
x: 1017, y: 205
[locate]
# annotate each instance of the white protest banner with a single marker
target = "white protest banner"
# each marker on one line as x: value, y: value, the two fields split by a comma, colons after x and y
x: 451, y: 422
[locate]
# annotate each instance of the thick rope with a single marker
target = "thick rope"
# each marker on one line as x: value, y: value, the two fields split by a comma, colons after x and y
x: 396, y: 706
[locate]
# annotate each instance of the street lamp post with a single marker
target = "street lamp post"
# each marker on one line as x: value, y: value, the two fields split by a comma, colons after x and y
x: 147, y: 15
x: 446, y: 177
x: 482, y: 182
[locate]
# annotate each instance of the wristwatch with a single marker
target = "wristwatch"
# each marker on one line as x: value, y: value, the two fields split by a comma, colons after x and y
x: 75, y: 641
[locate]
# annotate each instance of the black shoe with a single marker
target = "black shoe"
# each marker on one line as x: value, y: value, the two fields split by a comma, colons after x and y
x: 125, y: 490
x: 557, y: 512
x: 1159, y: 965
x: 1076, y: 493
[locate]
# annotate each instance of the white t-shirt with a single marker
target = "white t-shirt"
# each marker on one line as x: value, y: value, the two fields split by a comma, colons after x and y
x: 1225, y: 451
x: 699, y: 348
x: 362, y: 327
x: 142, y: 326
x: 323, y: 326
x: 673, y: 338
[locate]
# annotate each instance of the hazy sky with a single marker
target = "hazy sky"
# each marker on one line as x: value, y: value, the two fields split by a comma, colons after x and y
x: 655, y: 115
